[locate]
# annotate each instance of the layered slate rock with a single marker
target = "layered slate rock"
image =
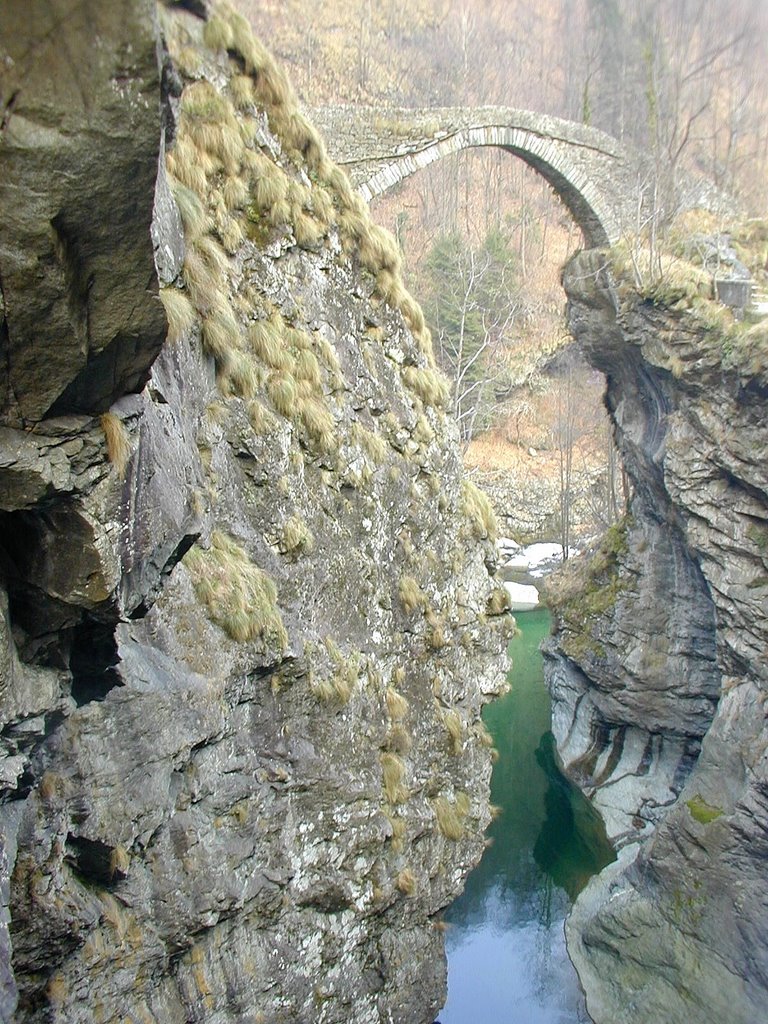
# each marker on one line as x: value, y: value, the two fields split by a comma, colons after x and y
x: 247, y: 617
x: 658, y: 669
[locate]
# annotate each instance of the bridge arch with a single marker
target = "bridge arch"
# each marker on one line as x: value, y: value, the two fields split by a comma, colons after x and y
x: 585, y: 167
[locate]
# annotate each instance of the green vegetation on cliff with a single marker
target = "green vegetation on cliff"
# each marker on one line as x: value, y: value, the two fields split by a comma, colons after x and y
x: 585, y: 589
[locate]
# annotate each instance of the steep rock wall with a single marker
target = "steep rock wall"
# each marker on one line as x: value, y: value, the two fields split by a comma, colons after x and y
x: 248, y: 622
x: 658, y: 669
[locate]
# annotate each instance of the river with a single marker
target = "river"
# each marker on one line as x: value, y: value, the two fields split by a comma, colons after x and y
x: 507, y: 962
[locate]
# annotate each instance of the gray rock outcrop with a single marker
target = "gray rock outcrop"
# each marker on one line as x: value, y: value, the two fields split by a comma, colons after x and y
x: 247, y: 622
x: 658, y: 670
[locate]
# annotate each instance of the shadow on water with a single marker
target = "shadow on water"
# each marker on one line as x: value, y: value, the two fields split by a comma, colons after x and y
x: 506, y: 952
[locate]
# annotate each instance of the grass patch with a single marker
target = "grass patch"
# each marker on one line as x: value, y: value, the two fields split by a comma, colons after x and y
x: 239, y: 597
x: 455, y: 729
x: 296, y: 537
x: 757, y: 533
x: 452, y: 815
x: 412, y: 597
x: 393, y: 775
x: 118, y: 442
x: 703, y: 812
x: 586, y: 589
x: 406, y: 882
x: 478, y: 511
x: 179, y: 312
x: 397, y: 705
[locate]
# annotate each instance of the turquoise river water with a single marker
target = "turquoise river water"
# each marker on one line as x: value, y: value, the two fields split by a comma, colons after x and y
x: 507, y: 962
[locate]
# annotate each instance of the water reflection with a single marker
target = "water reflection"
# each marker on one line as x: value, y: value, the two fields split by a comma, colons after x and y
x: 507, y: 962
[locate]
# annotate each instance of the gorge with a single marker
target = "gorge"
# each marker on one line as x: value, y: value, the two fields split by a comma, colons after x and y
x: 250, y: 615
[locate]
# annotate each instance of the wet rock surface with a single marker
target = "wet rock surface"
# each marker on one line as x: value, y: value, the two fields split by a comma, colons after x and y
x: 658, y: 671
x: 204, y: 818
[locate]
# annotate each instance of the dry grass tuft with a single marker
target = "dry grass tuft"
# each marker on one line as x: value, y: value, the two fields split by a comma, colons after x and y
x: 267, y: 342
x: 119, y: 862
x: 452, y: 815
x: 57, y: 990
x: 483, y: 734
x: 397, y: 705
x: 179, y: 312
x: 235, y: 193
x: 406, y: 882
x: 306, y: 367
x: 498, y: 602
x: 239, y: 597
x: 296, y: 537
x: 118, y: 442
x: 455, y: 729
x: 241, y: 377
x: 477, y: 509
x: 282, y: 393
x: 241, y: 89
x: 318, y: 423
x: 344, y: 679
x: 307, y: 231
x: 193, y: 215
x: 393, y: 774
x: 261, y: 419
x: 428, y: 384
x: 399, y: 831
x: 412, y: 596
x: 220, y: 334
x: 399, y: 740
x: 217, y: 34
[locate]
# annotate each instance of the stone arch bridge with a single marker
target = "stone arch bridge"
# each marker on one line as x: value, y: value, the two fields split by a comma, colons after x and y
x: 595, y: 175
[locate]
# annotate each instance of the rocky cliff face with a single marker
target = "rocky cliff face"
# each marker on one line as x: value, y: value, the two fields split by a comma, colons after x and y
x: 658, y: 670
x: 247, y: 617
